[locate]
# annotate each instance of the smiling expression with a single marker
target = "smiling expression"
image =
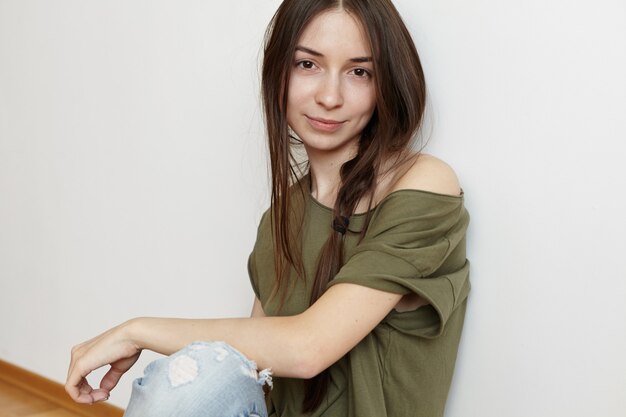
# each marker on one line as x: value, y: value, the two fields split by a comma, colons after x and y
x: 332, y: 94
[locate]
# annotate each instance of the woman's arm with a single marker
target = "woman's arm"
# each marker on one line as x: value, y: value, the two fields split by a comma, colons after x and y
x: 297, y: 346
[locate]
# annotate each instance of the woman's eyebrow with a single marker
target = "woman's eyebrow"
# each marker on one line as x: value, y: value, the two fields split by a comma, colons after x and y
x: 319, y: 54
x: 309, y: 51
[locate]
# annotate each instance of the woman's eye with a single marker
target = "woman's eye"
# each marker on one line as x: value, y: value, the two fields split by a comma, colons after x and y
x: 306, y: 64
x: 361, y: 72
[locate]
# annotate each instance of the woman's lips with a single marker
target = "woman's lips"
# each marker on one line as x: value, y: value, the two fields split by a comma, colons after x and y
x: 324, y: 125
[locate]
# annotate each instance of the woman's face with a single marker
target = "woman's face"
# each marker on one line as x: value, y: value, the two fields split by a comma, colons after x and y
x: 332, y: 93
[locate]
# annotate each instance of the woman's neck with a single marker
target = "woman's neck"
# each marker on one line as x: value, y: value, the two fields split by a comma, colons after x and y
x: 325, y: 174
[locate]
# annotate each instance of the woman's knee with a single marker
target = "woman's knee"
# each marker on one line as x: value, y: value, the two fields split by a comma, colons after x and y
x: 202, y: 379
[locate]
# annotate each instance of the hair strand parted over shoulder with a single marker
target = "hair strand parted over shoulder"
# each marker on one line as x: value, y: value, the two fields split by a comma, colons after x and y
x: 400, y: 104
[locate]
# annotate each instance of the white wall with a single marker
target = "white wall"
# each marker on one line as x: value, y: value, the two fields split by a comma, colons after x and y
x: 121, y: 121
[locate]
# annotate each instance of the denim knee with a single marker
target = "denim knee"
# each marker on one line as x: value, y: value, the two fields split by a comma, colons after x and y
x: 208, y: 379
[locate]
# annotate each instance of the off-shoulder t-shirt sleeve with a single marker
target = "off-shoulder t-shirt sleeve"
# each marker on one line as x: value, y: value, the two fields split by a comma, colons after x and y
x: 260, y: 245
x: 415, y: 243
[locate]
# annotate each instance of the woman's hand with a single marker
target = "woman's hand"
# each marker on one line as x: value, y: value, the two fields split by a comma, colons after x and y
x: 113, y: 347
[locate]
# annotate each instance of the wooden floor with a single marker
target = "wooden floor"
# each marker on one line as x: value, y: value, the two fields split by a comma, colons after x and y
x: 15, y: 402
x: 27, y: 394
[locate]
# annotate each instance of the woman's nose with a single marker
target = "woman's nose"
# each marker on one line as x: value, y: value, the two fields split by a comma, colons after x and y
x: 329, y: 92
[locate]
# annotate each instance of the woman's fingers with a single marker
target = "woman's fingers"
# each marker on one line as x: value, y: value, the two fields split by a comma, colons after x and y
x: 98, y: 395
x: 110, y: 379
x: 85, y: 394
x: 118, y: 368
x: 82, y: 392
x: 77, y: 386
x: 110, y: 348
x: 84, y: 387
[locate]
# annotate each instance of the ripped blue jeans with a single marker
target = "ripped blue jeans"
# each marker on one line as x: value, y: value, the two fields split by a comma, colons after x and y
x: 204, y: 379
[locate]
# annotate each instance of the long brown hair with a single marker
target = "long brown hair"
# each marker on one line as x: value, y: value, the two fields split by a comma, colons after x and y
x: 400, y: 103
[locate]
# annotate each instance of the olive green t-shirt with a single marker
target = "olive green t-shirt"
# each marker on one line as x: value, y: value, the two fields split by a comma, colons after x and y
x: 415, y: 243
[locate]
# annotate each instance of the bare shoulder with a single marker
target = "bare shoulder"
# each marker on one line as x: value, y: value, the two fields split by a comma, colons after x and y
x: 428, y: 173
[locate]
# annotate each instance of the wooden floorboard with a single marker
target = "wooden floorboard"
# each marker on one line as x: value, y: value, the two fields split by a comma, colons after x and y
x: 54, y: 413
x: 15, y: 402
x: 25, y: 394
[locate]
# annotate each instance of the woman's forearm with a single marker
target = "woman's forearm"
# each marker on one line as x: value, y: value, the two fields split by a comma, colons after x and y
x: 297, y: 346
x: 279, y: 343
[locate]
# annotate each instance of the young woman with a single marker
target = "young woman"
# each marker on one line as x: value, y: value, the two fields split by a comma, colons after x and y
x: 359, y: 266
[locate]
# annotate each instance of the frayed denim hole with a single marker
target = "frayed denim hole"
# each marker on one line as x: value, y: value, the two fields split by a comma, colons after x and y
x: 182, y: 370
